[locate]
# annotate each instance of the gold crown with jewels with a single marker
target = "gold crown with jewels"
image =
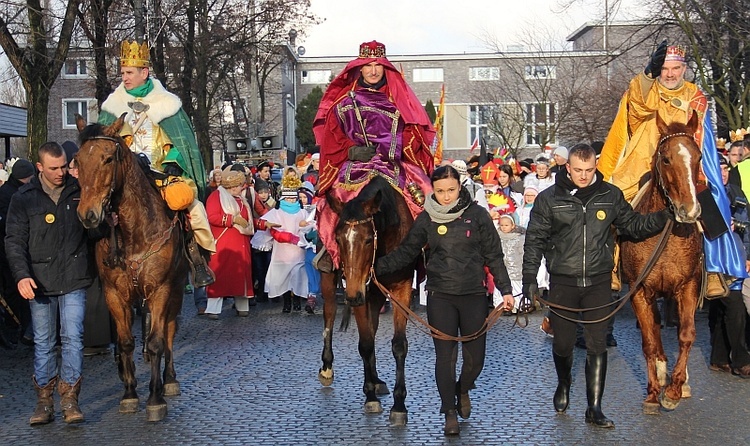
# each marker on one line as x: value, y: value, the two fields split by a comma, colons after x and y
x: 738, y: 135
x: 371, y: 50
x: 133, y: 54
x: 676, y: 53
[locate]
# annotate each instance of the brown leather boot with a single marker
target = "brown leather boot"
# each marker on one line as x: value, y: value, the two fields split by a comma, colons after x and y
x: 69, y: 401
x: 45, y: 406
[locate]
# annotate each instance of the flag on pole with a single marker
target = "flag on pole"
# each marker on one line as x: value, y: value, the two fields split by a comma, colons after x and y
x: 439, y: 128
x: 474, y: 145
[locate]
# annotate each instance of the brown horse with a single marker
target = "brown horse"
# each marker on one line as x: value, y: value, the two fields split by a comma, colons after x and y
x: 677, y: 272
x: 370, y: 226
x: 116, y: 190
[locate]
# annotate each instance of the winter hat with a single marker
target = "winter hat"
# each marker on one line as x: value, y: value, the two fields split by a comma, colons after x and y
x: 232, y: 178
x: 509, y: 217
x: 289, y: 187
x: 543, y: 160
x: 261, y: 185
x: 562, y: 151
x: 460, y: 166
x: 315, y: 156
x: 308, y: 186
x: 723, y: 160
x: 22, y: 169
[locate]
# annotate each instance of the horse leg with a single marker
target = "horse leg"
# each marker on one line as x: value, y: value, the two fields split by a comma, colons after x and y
x: 367, y: 353
x: 171, y: 385
x: 123, y: 316
x: 328, y: 290
x: 156, y: 405
x: 643, y: 308
x: 686, y: 303
x: 375, y: 301
x: 400, y: 347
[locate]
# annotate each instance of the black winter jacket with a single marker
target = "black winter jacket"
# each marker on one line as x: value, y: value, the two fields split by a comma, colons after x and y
x: 575, y: 237
x: 7, y: 190
x: 47, y: 242
x: 456, y: 259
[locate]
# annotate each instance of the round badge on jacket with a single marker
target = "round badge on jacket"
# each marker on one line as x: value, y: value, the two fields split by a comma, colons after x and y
x: 601, y: 215
x: 49, y: 218
x: 442, y: 229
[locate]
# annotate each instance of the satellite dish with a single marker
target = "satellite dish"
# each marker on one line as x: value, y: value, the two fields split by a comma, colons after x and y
x: 301, y: 50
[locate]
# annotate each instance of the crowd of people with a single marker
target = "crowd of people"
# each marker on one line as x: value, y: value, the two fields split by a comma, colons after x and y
x: 499, y: 233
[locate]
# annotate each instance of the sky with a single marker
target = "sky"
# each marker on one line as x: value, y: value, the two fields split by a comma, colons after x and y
x: 446, y: 26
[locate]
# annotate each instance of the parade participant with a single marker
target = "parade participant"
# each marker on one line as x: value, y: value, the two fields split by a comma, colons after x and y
x: 262, y: 241
x: 560, y: 157
x: 264, y: 173
x: 286, y: 273
x: 370, y: 122
x: 313, y: 170
x: 577, y: 213
x: 633, y: 138
x: 462, y: 240
x: 542, y: 178
x: 47, y: 250
x: 157, y: 127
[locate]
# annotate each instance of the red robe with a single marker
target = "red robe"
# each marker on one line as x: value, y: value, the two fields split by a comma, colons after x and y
x: 232, y: 261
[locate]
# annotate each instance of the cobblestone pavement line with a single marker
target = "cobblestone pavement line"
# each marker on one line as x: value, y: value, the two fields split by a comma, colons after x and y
x: 253, y: 381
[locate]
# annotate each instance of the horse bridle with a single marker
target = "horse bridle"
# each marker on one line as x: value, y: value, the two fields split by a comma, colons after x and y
x: 658, y: 169
x: 107, y: 203
x: 351, y: 224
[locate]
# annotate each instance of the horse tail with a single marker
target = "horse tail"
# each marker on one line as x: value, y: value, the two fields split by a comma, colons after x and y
x: 346, y: 318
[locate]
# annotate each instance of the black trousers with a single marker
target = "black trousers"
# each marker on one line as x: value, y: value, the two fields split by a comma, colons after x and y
x: 726, y: 321
x: 261, y: 260
x: 595, y: 335
x: 452, y: 315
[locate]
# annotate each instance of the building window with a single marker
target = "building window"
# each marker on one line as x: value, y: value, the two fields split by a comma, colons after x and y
x: 75, y: 68
x: 428, y: 75
x: 71, y: 107
x: 316, y: 76
x: 484, y: 73
x: 541, y: 72
x: 479, y: 119
x: 540, y: 120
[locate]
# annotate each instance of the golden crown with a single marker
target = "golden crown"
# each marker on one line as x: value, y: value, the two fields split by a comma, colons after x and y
x: 738, y: 135
x: 370, y: 50
x: 134, y: 55
x: 721, y: 143
x: 291, y: 183
x: 675, y: 53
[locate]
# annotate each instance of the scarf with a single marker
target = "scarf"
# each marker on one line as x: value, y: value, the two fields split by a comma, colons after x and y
x: 446, y: 213
x: 143, y: 90
x: 289, y: 207
x: 233, y: 205
x: 582, y: 193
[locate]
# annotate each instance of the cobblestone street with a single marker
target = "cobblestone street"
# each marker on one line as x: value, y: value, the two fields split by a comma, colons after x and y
x: 254, y: 381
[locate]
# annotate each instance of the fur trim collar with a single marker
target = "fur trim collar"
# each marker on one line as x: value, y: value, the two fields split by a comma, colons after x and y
x: 162, y: 104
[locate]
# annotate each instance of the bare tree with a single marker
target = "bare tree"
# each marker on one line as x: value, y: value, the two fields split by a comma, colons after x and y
x: 27, y: 34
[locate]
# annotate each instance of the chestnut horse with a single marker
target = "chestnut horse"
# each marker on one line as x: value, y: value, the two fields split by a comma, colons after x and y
x: 153, y: 267
x: 370, y: 226
x: 677, y: 272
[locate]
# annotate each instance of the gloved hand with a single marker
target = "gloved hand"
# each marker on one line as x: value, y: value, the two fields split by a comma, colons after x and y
x: 528, y: 299
x: 361, y: 153
x: 653, y: 69
x: 239, y: 221
x: 304, y: 244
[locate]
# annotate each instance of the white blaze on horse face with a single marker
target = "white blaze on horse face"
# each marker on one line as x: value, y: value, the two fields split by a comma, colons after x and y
x: 685, y: 153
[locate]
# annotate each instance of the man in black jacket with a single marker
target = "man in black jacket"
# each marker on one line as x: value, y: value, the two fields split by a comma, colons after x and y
x: 46, y: 247
x: 570, y: 226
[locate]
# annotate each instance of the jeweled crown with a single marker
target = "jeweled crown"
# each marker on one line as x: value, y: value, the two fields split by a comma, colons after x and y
x: 738, y: 135
x: 134, y: 55
x: 675, y: 53
x: 371, y: 50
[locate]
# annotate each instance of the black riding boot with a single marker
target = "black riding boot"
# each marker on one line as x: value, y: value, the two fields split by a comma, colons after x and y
x: 296, y: 303
x: 202, y: 274
x: 596, y: 373
x: 563, y: 364
x: 287, y: 302
x: 145, y: 326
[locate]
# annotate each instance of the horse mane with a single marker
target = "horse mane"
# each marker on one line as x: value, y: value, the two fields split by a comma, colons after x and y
x: 90, y: 131
x: 387, y: 214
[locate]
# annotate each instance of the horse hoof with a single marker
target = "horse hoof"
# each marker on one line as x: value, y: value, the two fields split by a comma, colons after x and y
x: 373, y: 407
x: 381, y: 389
x: 398, y: 418
x: 156, y: 413
x: 668, y: 403
x: 172, y: 389
x: 325, y: 377
x: 651, y: 408
x: 129, y: 405
x: 687, y: 392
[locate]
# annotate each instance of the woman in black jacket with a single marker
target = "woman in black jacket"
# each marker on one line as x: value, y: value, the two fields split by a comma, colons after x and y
x: 462, y: 240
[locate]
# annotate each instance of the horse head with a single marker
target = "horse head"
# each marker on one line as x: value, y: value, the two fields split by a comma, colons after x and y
x: 100, y: 164
x: 357, y: 239
x: 676, y: 167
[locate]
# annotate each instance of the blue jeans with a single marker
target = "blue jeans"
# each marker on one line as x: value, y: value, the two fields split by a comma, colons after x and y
x: 200, y: 298
x: 44, y: 309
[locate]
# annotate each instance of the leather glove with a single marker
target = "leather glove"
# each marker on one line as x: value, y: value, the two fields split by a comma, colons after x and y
x: 361, y: 153
x: 653, y: 69
x: 239, y: 221
x: 528, y: 299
